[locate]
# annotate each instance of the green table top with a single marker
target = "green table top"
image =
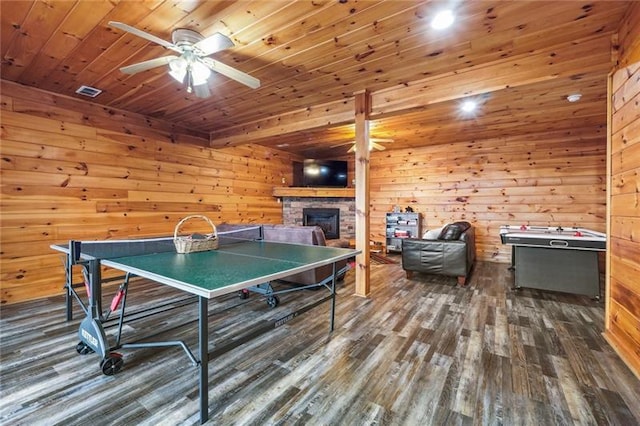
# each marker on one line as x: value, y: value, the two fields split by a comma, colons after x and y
x: 229, y: 268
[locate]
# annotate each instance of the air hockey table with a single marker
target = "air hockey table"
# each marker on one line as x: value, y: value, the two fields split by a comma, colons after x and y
x: 555, y: 258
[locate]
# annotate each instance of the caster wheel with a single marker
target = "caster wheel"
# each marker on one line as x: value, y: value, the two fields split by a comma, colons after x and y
x: 273, y: 301
x: 111, y: 364
x: 243, y: 294
x: 83, y: 349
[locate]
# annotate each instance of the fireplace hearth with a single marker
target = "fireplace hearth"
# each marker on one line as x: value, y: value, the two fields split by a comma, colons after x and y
x: 327, y: 219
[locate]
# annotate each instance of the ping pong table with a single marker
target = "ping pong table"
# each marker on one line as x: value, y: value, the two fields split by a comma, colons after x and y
x: 238, y: 264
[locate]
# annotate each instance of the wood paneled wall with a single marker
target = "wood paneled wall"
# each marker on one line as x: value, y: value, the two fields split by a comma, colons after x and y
x: 623, y: 296
x: 72, y: 170
x: 549, y: 179
x: 629, y: 36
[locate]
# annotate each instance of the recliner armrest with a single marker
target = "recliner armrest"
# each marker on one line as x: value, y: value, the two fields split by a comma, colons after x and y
x: 469, y: 237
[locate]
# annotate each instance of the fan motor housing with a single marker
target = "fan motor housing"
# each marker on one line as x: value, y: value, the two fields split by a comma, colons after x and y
x: 185, y: 37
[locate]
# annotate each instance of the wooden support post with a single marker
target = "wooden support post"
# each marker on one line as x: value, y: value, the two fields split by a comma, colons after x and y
x: 363, y: 273
x: 607, y: 259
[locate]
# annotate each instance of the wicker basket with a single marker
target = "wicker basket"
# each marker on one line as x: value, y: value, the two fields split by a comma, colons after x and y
x: 189, y: 245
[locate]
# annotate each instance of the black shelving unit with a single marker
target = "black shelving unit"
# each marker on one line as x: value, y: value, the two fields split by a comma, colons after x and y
x: 399, y: 226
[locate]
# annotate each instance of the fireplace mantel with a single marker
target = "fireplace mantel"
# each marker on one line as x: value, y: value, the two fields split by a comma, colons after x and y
x: 286, y: 191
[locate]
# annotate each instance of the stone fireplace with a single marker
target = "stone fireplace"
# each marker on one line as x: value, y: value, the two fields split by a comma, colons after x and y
x: 327, y: 219
x: 293, y: 212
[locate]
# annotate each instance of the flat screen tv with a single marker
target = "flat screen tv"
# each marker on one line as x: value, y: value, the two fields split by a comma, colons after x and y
x: 327, y: 173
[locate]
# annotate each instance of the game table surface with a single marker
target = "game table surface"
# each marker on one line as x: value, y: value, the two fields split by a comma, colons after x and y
x: 230, y: 267
x: 556, y: 237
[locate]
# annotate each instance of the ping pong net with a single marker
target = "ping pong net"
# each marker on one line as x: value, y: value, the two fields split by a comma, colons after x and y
x: 109, y: 249
x: 233, y: 234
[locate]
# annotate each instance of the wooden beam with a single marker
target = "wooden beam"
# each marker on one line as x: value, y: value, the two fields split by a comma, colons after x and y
x: 363, y: 271
x: 316, y: 117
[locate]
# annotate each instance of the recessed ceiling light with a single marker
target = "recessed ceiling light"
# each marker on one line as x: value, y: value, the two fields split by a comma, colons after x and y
x: 442, y: 20
x: 575, y: 97
x: 468, y: 106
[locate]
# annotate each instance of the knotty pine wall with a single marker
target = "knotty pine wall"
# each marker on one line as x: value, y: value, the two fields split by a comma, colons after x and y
x: 79, y: 171
x: 623, y: 295
x: 548, y: 179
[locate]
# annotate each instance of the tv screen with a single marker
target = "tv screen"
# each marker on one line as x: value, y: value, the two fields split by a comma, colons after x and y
x: 324, y: 173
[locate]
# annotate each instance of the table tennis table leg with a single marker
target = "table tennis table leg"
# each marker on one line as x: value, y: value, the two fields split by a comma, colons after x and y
x: 333, y: 297
x: 203, y: 337
x: 69, y: 288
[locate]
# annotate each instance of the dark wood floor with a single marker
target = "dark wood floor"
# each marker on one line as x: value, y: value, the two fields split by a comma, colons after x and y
x: 416, y: 352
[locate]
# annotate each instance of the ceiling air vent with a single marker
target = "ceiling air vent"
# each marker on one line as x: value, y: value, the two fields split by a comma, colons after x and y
x: 92, y: 92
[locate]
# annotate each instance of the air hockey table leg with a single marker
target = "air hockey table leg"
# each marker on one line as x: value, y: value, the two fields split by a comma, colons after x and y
x: 513, y: 257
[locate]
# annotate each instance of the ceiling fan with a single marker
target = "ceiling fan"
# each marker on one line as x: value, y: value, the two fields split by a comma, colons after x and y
x: 193, y: 67
x: 374, y: 143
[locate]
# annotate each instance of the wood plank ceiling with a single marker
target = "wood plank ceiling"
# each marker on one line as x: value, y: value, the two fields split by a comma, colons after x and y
x: 519, y: 59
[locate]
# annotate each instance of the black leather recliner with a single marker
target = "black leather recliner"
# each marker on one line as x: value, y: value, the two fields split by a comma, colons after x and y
x: 452, y: 254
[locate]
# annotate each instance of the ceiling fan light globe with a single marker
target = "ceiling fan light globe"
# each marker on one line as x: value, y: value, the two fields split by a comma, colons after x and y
x: 178, y: 64
x: 178, y: 75
x: 178, y: 69
x: 200, y: 73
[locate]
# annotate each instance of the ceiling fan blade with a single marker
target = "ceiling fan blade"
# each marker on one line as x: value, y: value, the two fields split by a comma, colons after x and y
x: 373, y: 143
x: 147, y: 65
x: 232, y: 73
x: 337, y: 144
x: 212, y: 44
x: 379, y: 140
x: 202, y: 91
x: 140, y: 33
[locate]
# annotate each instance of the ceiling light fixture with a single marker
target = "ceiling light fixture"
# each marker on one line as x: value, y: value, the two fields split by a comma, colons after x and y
x: 468, y: 106
x: 201, y: 73
x: 194, y: 65
x: 178, y: 69
x: 442, y: 20
x: 186, y: 66
x: 575, y: 97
